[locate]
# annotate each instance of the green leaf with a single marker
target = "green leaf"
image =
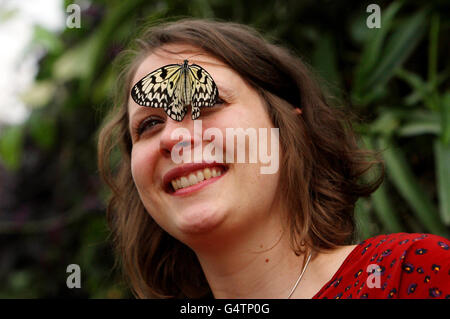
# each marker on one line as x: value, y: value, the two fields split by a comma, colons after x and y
x: 11, y: 145
x: 202, y: 8
x: 442, y: 155
x: 414, y: 129
x: 399, y: 47
x: 445, y: 118
x: 421, y: 90
x: 43, y: 131
x: 419, y: 86
x: 20, y: 280
x: 384, y: 209
x: 433, y: 48
x: 406, y: 122
x: 75, y: 62
x: 7, y: 14
x: 401, y: 175
x: 49, y: 40
x: 385, y: 124
x: 325, y: 61
x: 359, y: 32
x: 106, y: 32
x: 420, y: 122
x: 365, y: 227
x: 40, y: 93
x: 373, y: 48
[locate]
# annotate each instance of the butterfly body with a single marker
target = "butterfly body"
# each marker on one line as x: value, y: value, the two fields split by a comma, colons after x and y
x: 173, y: 87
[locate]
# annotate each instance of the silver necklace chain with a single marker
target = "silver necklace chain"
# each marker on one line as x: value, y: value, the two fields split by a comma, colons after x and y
x: 300, y: 277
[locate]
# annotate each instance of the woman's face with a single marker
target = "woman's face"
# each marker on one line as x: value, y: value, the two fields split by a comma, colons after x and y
x: 241, y: 198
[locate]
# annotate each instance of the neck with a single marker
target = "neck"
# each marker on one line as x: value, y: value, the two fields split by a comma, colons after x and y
x: 256, y: 263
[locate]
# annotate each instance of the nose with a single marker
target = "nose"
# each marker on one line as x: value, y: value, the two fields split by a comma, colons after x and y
x: 176, y: 134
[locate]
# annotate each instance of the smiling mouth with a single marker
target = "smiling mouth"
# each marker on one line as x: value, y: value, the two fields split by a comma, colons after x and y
x: 195, y: 180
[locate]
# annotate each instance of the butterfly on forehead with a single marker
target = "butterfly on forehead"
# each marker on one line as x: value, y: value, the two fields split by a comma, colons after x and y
x: 173, y: 87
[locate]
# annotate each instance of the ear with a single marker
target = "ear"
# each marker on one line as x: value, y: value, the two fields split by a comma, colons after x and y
x: 298, y: 111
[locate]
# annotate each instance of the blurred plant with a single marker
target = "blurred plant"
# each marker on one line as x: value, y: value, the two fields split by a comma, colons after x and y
x: 420, y: 117
x: 51, y: 200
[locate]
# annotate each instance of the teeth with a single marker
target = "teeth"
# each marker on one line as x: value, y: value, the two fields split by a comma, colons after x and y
x: 195, y: 177
x: 207, y: 173
x: 184, y: 182
x: 192, y: 179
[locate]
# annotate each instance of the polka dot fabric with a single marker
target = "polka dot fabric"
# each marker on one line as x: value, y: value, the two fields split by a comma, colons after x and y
x: 395, y: 266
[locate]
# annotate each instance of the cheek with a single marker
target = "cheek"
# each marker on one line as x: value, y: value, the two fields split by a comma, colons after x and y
x: 143, y: 166
x: 262, y: 186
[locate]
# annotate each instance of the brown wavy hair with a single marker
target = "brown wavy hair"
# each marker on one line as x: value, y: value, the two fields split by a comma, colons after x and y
x: 322, y: 167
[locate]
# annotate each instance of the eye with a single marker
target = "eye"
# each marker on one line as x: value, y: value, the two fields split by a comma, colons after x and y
x: 148, y: 124
x: 219, y: 104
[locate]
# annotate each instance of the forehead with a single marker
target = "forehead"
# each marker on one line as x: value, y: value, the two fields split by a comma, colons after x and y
x: 176, y: 54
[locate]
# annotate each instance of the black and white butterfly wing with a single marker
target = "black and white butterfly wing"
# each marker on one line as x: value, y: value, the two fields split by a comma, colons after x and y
x: 157, y: 89
x: 173, y: 87
x: 177, y: 108
x: 203, y: 90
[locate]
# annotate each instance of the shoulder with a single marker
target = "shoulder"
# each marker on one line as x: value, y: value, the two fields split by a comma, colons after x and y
x: 397, y: 265
x: 411, y: 265
x: 402, y: 247
x: 405, y: 243
x: 424, y: 269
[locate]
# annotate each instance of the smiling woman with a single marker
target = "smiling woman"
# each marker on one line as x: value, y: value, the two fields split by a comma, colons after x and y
x: 224, y: 229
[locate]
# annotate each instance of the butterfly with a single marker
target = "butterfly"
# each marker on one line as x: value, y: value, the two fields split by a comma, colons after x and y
x: 175, y: 86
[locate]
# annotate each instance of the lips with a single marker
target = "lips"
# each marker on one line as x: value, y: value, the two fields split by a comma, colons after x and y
x: 185, y: 170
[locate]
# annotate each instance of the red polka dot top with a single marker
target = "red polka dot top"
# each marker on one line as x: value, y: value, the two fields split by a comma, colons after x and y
x: 413, y: 266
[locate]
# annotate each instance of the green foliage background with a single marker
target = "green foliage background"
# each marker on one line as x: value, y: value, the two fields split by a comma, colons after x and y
x: 395, y: 78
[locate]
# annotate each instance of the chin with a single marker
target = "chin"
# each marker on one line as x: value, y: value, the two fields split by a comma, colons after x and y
x: 199, y: 220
